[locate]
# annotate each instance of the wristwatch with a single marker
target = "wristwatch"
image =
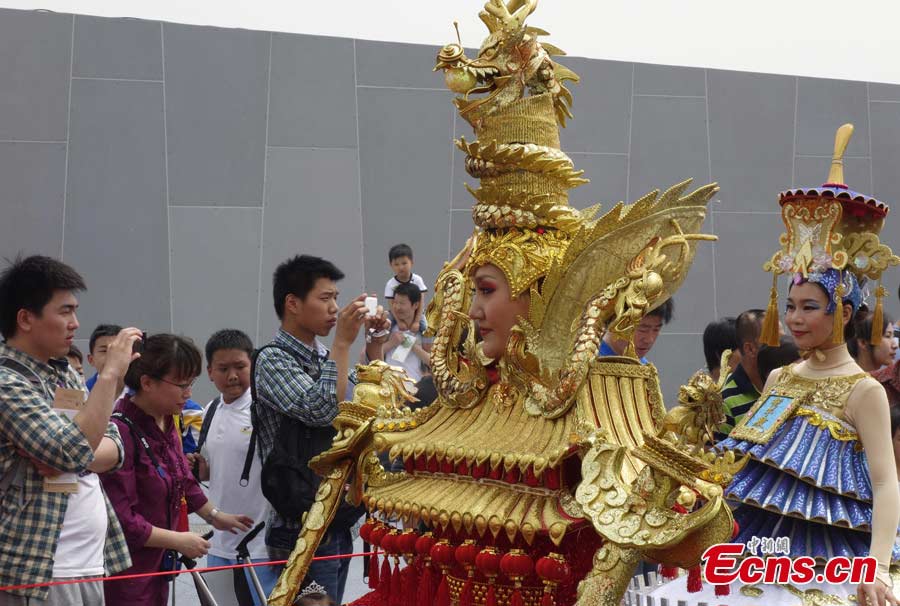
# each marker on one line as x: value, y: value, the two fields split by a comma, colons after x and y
x: 376, y: 335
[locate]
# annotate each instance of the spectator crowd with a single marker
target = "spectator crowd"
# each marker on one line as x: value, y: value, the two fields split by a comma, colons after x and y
x: 98, y: 476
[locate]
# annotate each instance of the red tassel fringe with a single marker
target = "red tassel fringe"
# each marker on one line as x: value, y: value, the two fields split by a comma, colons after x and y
x: 410, y: 585
x: 516, y: 599
x: 373, y: 571
x: 547, y: 600
x: 694, y: 582
x: 723, y: 590
x: 384, y: 583
x: 668, y: 573
x: 370, y: 599
x: 443, y: 593
x: 425, y: 593
x: 490, y: 599
x: 467, y: 595
x: 396, y: 587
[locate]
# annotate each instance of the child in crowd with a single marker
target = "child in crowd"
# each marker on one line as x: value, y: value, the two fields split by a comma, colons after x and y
x: 76, y: 359
x: 313, y: 595
x: 98, y: 344
x: 406, y: 346
x: 222, y: 448
x: 401, y: 259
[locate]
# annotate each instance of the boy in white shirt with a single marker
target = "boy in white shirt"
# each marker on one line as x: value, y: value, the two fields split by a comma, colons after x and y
x: 224, y: 441
x: 400, y: 256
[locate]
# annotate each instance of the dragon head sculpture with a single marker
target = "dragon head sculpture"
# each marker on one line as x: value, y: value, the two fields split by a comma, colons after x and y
x: 511, y: 59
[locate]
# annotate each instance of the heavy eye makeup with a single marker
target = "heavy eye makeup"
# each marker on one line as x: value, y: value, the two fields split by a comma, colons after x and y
x: 808, y: 305
x: 485, y: 286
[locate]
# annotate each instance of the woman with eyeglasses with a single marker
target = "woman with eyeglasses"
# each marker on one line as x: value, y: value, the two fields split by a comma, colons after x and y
x: 154, y: 489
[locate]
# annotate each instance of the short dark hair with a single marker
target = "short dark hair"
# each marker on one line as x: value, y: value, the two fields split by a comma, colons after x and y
x: 29, y: 283
x: 862, y: 331
x: 162, y: 354
x: 717, y: 337
x: 664, y: 312
x: 228, y: 338
x: 400, y: 250
x: 410, y: 291
x: 298, y: 276
x: 748, y: 326
x: 770, y: 358
x: 103, y: 330
x: 74, y: 352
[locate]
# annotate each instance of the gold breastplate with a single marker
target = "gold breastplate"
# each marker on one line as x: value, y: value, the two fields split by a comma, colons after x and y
x: 822, y: 401
x: 829, y: 394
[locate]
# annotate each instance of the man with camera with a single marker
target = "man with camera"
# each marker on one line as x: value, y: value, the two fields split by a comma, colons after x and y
x: 298, y: 384
x: 56, y: 522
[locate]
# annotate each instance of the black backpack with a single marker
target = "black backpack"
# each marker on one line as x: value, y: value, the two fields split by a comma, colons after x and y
x: 287, y: 481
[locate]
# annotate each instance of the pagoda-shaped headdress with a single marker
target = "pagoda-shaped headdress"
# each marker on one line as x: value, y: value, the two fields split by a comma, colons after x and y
x: 831, y: 239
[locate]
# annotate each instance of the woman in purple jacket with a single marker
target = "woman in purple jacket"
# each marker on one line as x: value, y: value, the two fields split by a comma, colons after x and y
x: 154, y: 489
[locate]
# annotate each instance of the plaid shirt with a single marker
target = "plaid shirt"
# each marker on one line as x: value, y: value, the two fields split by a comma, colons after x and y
x: 30, y: 518
x: 302, y: 386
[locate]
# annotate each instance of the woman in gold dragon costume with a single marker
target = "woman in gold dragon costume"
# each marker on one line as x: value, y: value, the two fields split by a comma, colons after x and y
x: 542, y: 474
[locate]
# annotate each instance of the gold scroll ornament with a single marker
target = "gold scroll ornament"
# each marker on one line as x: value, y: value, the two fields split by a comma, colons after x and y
x: 381, y: 388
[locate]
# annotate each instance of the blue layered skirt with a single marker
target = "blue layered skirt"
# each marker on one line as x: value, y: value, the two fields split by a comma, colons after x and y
x: 806, y: 485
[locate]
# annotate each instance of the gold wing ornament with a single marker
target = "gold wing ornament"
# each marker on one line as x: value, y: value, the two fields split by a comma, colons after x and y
x: 615, y: 270
x: 670, y: 507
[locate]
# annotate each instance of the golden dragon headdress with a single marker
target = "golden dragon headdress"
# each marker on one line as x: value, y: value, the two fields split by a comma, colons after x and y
x: 584, y: 274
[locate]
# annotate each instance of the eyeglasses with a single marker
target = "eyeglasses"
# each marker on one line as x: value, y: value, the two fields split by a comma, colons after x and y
x: 181, y: 386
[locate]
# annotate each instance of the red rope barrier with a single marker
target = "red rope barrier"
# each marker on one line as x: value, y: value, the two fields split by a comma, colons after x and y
x: 126, y: 577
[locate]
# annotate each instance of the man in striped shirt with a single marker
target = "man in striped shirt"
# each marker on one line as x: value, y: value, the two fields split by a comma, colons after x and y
x: 744, y: 384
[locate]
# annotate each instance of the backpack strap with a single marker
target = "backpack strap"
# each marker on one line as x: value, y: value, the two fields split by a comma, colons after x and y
x: 26, y: 372
x: 207, y: 421
x: 254, y: 415
x: 141, y: 438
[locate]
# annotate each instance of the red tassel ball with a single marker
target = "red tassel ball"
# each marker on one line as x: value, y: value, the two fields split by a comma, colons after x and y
x: 488, y: 562
x: 516, y: 565
x: 443, y: 553
x: 365, y: 531
x: 553, y: 568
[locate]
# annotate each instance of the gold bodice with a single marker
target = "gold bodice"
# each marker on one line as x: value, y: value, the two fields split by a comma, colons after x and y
x: 828, y: 394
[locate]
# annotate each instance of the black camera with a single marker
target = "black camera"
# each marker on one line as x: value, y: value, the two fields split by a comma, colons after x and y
x: 138, y: 346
